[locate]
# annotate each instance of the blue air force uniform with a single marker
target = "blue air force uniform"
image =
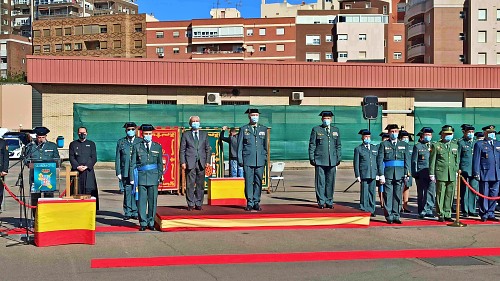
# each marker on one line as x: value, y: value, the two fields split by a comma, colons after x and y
x: 325, y: 155
x: 486, y: 168
x: 365, y: 168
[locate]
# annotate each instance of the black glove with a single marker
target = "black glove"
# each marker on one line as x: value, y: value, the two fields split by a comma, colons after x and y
x: 338, y: 163
x: 240, y: 164
x: 312, y: 162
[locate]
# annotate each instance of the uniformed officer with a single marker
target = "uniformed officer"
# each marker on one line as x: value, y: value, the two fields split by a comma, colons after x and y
x: 443, y: 169
x: 426, y: 189
x: 365, y: 171
x: 406, y: 137
x: 486, y: 169
x: 252, y: 156
x: 123, y: 158
x: 380, y: 187
x: 147, y: 168
x: 40, y: 150
x: 393, y: 162
x: 4, y: 167
x: 466, y: 147
x: 479, y: 136
x: 325, y: 155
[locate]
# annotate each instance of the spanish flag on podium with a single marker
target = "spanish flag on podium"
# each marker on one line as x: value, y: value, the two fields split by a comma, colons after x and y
x: 65, y: 221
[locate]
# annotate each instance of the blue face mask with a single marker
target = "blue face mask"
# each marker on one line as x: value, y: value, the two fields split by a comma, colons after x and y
x: 492, y: 136
x: 148, y: 138
x: 367, y: 141
x: 326, y: 122
x: 427, y: 138
x: 448, y: 138
x: 470, y: 135
x: 394, y: 136
x: 195, y: 125
x: 131, y: 133
x: 406, y: 140
x: 254, y: 119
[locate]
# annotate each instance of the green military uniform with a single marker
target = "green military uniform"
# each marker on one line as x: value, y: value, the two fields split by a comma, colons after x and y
x: 393, y: 162
x: 124, y: 148
x: 467, y: 198
x: 365, y: 169
x: 426, y: 189
x: 444, y: 166
x: 325, y: 155
x: 148, y: 163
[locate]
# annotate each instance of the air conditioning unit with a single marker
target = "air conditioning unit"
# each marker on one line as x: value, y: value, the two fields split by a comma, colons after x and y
x: 161, y: 55
x: 297, y: 95
x: 213, y: 98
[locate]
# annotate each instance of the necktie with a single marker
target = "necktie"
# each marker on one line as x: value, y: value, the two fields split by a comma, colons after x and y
x: 147, y: 147
x: 254, y: 129
x: 328, y: 131
x: 196, y: 136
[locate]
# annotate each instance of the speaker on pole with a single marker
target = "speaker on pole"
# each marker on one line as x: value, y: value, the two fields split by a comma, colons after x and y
x: 370, y: 107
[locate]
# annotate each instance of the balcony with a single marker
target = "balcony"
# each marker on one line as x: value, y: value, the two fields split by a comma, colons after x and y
x: 416, y: 30
x: 415, y: 51
x: 415, y: 8
x: 213, y: 55
x: 21, y: 2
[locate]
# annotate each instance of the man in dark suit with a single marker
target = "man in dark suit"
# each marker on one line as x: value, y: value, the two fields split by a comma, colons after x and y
x: 194, y: 155
x: 4, y: 167
x: 252, y: 156
x: 486, y: 169
x: 325, y: 153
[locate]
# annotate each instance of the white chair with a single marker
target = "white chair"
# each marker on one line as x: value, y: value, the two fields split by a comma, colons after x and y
x: 277, y: 174
x: 226, y: 168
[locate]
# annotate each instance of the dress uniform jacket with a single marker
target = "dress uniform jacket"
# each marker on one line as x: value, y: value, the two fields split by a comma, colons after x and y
x: 388, y: 152
x: 426, y: 189
x: 324, y: 148
x: 444, y: 161
x: 420, y: 160
x: 252, y: 146
x: 41, y: 152
x: 486, y: 160
x: 467, y: 197
x: 365, y: 161
x: 466, y: 148
x: 123, y: 156
x: 141, y: 157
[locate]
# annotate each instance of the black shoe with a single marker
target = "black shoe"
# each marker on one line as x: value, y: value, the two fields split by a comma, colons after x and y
x: 373, y: 215
x: 321, y: 206
x: 248, y: 208
x: 473, y: 214
x: 430, y: 216
x: 126, y: 218
x: 257, y: 208
x: 421, y: 216
x: 190, y: 208
x: 151, y: 227
x: 449, y: 219
x: 142, y: 228
x: 441, y: 219
x: 493, y: 219
x: 134, y: 217
x: 484, y: 219
x: 389, y: 222
x: 199, y: 208
x: 465, y: 215
x: 406, y: 211
x: 329, y: 206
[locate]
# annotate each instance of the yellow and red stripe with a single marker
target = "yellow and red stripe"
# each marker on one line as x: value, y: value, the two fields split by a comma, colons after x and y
x: 226, y: 192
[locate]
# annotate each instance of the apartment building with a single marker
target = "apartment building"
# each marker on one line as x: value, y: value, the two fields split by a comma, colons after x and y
x: 121, y: 35
x: 222, y: 38
x: 482, y: 34
x: 285, y: 9
x: 13, y: 52
x: 315, y: 35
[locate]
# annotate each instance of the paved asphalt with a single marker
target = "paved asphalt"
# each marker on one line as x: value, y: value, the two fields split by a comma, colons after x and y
x: 72, y: 262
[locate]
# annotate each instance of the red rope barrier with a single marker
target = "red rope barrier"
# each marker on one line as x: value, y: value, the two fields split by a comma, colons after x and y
x: 477, y: 193
x: 17, y: 199
x: 62, y: 194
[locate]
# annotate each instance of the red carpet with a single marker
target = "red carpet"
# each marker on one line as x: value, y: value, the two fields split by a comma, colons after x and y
x: 291, y: 257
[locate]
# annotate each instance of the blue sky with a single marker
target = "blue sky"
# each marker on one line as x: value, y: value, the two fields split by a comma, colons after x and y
x: 196, y: 9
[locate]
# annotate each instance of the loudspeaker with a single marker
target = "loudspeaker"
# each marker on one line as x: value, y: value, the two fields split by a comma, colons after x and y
x: 235, y: 92
x: 370, y: 107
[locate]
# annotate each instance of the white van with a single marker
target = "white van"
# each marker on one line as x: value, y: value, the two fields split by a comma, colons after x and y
x: 15, y: 145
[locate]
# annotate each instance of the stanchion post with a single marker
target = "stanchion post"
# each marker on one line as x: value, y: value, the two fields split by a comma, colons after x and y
x: 457, y: 222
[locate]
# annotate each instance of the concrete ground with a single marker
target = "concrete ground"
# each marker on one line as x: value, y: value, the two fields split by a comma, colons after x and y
x: 72, y: 262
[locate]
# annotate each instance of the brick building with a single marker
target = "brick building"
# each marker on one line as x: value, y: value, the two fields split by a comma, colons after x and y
x: 13, y: 52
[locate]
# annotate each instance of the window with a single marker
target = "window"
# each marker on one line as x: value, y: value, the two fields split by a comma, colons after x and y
x: 362, y: 37
x: 117, y: 44
x: 117, y: 28
x: 329, y: 56
x: 481, y: 58
x: 482, y: 15
x: 36, y: 33
x: 36, y: 49
x: 138, y: 27
x: 342, y: 37
x: 368, y: 5
x: 250, y: 49
x: 397, y: 56
x: 280, y: 48
x: 176, y: 50
x: 46, y: 48
x: 160, y: 50
x: 384, y: 10
x: 328, y: 38
x: 78, y: 46
x: 498, y: 58
x: 79, y: 30
x: 362, y: 54
x: 313, y: 57
x: 428, y: 18
x: 313, y: 40
x: 58, y: 47
x: 176, y: 34
x: 280, y: 31
x: 103, y: 45
x: 103, y: 29
x: 23, y: 61
x: 461, y: 36
x: 67, y: 31
x: 481, y: 36
x: 249, y: 32
x: 188, y: 34
x: 342, y: 54
x: 347, y: 6
x: 162, y: 102
x: 87, y: 29
x: 58, y: 31
x: 138, y: 44
x: 498, y: 14
x: 46, y: 32
x: 262, y: 31
x: 262, y: 48
x: 67, y: 46
x: 5, y: 22
x: 398, y: 38
x: 159, y: 34
x: 498, y: 36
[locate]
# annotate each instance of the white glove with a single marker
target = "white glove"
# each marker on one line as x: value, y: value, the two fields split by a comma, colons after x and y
x: 382, y: 179
x: 358, y: 179
x: 377, y: 178
x: 119, y: 177
x: 406, y: 178
x: 477, y: 177
x: 433, y: 178
x: 131, y: 182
